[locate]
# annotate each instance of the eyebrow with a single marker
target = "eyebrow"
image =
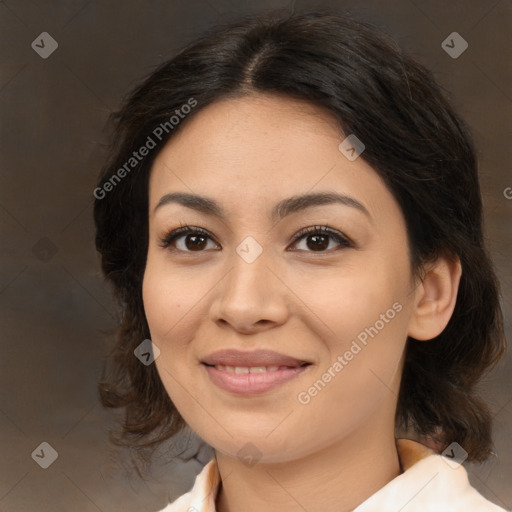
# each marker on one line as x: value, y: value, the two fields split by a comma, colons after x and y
x: 282, y: 209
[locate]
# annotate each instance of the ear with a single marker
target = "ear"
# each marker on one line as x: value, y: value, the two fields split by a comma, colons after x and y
x: 435, y: 298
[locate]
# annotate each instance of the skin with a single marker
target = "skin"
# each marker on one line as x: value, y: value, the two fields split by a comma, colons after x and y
x: 249, y: 153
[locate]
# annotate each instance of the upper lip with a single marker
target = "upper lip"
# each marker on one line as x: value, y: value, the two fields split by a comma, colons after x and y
x: 232, y: 357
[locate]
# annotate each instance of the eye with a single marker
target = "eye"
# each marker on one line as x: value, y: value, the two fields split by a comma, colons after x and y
x: 194, y: 239
x: 318, y: 238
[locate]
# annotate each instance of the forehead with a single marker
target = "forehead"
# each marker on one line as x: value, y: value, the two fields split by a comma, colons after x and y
x: 254, y: 149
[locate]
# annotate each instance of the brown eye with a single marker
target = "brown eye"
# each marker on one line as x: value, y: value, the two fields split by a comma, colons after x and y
x: 318, y: 239
x: 317, y: 242
x: 195, y: 242
x: 187, y: 239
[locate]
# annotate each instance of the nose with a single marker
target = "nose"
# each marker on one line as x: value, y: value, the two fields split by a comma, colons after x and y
x: 251, y: 297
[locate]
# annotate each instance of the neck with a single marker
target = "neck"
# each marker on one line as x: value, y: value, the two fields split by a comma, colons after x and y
x: 335, y: 479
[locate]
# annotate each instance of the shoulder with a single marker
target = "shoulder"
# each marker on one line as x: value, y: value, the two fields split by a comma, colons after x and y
x: 447, y: 487
x: 430, y: 483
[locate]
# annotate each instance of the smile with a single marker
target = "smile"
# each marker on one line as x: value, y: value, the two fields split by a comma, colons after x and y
x: 249, y: 380
x: 248, y: 369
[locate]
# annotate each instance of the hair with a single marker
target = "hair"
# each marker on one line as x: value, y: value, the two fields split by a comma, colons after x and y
x: 413, y: 139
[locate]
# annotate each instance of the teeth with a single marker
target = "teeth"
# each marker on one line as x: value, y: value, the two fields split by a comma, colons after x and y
x: 257, y: 369
x: 247, y: 369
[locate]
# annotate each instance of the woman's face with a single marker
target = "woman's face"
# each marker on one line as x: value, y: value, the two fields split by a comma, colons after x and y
x: 253, y: 280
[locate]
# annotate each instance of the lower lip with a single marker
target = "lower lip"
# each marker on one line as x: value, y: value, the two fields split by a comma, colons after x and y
x: 252, y: 383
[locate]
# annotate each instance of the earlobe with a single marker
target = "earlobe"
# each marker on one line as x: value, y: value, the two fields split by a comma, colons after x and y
x: 435, y: 299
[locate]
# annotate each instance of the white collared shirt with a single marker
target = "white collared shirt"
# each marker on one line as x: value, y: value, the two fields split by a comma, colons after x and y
x: 429, y: 483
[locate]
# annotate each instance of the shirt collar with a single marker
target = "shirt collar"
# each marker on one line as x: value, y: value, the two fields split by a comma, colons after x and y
x: 427, y: 482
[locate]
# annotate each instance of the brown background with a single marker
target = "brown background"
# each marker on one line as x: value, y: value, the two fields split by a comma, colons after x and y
x: 55, y: 310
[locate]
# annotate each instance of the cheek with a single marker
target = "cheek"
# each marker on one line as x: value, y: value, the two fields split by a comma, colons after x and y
x: 170, y: 296
x: 158, y: 302
x: 347, y: 299
x: 361, y: 313
x: 169, y: 315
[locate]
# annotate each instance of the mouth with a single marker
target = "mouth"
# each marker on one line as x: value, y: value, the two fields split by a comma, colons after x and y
x: 252, y: 369
x: 249, y: 373
x: 261, y: 358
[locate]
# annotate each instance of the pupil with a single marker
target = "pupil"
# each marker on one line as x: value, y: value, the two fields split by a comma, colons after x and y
x: 319, y: 242
x: 194, y: 240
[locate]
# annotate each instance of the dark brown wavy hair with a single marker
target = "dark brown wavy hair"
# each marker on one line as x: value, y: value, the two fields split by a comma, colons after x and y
x: 414, y: 140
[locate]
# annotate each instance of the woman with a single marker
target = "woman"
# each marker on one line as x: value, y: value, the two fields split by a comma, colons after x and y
x: 291, y: 214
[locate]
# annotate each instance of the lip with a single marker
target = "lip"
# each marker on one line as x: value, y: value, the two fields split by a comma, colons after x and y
x: 232, y: 357
x: 252, y: 383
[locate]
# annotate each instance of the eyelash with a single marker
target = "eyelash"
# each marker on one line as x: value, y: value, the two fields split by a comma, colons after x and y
x: 344, y: 241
